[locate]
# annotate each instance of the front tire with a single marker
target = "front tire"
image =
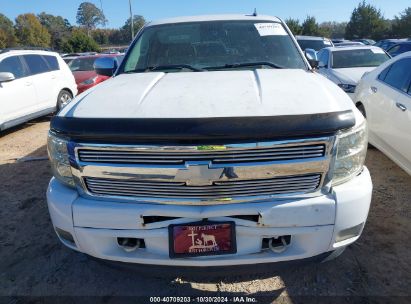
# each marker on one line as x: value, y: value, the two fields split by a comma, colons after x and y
x: 361, y: 108
x: 63, y: 99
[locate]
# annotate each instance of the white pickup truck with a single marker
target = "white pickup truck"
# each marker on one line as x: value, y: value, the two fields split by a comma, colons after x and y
x: 214, y: 144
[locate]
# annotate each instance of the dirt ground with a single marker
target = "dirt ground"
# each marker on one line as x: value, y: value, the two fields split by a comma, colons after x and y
x: 33, y: 263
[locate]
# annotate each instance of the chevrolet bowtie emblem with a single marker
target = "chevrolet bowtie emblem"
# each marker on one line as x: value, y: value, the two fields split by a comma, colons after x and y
x: 199, y: 175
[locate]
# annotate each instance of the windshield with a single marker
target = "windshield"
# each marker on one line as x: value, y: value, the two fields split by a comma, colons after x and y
x: 313, y: 44
x: 196, y: 46
x: 359, y: 58
x: 82, y: 64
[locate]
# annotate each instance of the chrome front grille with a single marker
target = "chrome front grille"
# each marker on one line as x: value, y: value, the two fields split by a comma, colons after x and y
x: 126, y: 155
x: 218, y: 190
x: 204, y: 175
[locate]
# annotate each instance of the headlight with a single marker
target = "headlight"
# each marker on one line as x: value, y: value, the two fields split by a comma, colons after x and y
x: 351, y: 152
x: 59, y: 158
x: 89, y: 81
x: 348, y: 88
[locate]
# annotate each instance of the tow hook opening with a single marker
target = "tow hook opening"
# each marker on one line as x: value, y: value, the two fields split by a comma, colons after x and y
x: 277, y: 244
x: 130, y: 244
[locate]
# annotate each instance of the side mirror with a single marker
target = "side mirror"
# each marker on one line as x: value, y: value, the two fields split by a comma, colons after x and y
x: 322, y: 65
x: 105, y: 66
x: 6, y: 77
x: 311, y: 56
x: 313, y: 63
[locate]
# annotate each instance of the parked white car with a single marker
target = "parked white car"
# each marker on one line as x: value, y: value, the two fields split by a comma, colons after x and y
x: 214, y: 144
x: 33, y: 83
x: 384, y: 98
x: 346, y: 65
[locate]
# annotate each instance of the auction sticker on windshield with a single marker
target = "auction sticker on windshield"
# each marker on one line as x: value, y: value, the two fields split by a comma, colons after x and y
x: 203, y: 238
x: 270, y: 29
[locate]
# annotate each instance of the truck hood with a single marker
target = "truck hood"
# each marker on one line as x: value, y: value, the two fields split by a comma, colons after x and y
x: 236, y: 93
x: 351, y: 75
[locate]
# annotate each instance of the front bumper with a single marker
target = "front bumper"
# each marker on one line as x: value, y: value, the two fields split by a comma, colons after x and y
x: 84, y: 87
x: 313, y: 223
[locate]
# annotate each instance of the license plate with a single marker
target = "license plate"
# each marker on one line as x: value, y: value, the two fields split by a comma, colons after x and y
x: 200, y: 239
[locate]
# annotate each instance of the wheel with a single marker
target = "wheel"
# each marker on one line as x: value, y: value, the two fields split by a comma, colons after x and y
x: 361, y: 108
x: 63, y: 99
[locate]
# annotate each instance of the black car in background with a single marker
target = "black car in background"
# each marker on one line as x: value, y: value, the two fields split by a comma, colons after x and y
x: 388, y: 43
x: 399, y: 48
x: 312, y: 42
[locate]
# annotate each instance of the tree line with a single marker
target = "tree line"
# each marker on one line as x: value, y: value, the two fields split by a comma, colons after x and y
x: 366, y: 21
x: 56, y: 32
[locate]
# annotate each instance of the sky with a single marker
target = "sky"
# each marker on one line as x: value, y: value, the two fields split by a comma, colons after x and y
x: 117, y: 11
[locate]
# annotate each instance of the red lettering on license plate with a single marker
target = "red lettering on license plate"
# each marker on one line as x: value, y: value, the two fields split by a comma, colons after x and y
x: 202, y: 239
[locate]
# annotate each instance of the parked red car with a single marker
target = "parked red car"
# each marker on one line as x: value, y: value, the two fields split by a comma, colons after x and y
x: 83, y: 70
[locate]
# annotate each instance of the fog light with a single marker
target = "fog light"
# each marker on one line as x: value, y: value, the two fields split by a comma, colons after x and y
x: 349, y: 233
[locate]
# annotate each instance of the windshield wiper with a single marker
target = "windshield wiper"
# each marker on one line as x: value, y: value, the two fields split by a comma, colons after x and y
x: 245, y: 64
x: 167, y: 67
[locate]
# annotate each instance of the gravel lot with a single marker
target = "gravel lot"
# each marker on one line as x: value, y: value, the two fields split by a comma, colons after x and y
x: 33, y: 263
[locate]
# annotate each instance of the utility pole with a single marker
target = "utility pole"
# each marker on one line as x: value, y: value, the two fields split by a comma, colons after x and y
x: 101, y: 7
x: 132, y: 21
